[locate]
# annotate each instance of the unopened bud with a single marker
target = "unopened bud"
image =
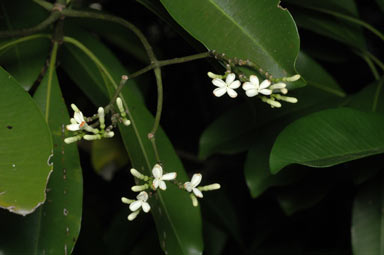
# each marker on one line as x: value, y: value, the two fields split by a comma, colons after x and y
x: 138, y: 175
x: 292, y: 78
x: 138, y: 188
x: 133, y: 215
x: 109, y: 134
x: 214, y: 76
x: 119, y: 104
x: 292, y: 100
x: 279, y: 85
x: 127, y: 200
x: 210, y: 187
x: 100, y: 112
x: 91, y: 129
x: 74, y: 108
x: 92, y: 137
x: 271, y: 102
x: 72, y: 139
x: 126, y: 122
x: 195, y: 203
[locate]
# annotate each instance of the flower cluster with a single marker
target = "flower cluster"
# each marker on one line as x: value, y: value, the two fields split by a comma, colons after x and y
x: 82, y: 128
x: 157, y: 181
x: 268, y: 92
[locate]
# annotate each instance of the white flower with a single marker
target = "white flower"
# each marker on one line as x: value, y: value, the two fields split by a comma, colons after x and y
x: 226, y: 86
x: 157, y: 172
x: 141, y: 202
x: 191, y: 186
x: 253, y: 88
x: 78, y: 121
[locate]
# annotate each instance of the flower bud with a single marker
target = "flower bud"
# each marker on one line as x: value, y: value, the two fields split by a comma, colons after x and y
x: 139, y: 188
x: 72, y: 139
x: 109, y: 134
x: 195, y: 203
x: 138, y: 175
x: 74, y: 108
x: 126, y: 122
x: 292, y: 78
x: 126, y: 200
x: 100, y: 112
x: 92, y: 137
x: 214, y: 76
x: 119, y: 104
x: 210, y: 187
x: 133, y: 215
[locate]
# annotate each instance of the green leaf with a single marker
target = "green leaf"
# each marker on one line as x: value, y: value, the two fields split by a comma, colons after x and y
x: 107, y: 156
x: 178, y: 222
x: 367, y: 219
x: 25, y: 149
x: 381, y: 4
x: 327, y: 138
x: 326, y: 25
x: 24, y: 61
x: 60, y: 216
x: 317, y: 76
x: 364, y: 100
x: 238, y: 29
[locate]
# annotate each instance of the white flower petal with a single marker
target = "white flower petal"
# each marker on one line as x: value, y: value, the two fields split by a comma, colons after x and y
x: 78, y: 116
x: 248, y: 85
x: 265, y: 91
x: 73, y: 127
x: 230, y: 78
x: 162, y: 185
x: 231, y: 93
x: 146, y: 207
x: 254, y: 80
x: 157, y: 171
x: 156, y: 183
x: 196, y: 179
x: 251, y: 92
x: 235, y: 85
x: 135, y: 205
x: 143, y: 196
x: 220, y: 91
x: 169, y: 176
x: 188, y: 186
x: 219, y: 83
x: 197, y: 192
x: 265, y: 84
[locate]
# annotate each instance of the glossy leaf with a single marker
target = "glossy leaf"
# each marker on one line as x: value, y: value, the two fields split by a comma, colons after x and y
x: 26, y: 60
x: 25, y: 149
x: 172, y: 207
x: 365, y: 99
x: 238, y: 29
x: 60, y: 216
x: 107, y: 156
x: 327, y: 138
x: 317, y: 76
x: 367, y: 219
x: 326, y: 25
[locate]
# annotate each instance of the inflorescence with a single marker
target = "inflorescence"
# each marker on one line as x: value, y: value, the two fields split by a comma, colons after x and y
x: 82, y: 129
x: 157, y: 181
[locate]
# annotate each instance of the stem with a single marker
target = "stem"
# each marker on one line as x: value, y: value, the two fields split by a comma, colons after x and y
x: 52, y: 64
x: 24, y: 39
x: 159, y: 107
x: 377, y: 94
x: 111, y: 80
x: 371, y: 65
x: 352, y: 20
x: 375, y: 59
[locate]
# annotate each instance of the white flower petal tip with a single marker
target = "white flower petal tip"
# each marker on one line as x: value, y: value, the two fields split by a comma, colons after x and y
x: 228, y: 86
